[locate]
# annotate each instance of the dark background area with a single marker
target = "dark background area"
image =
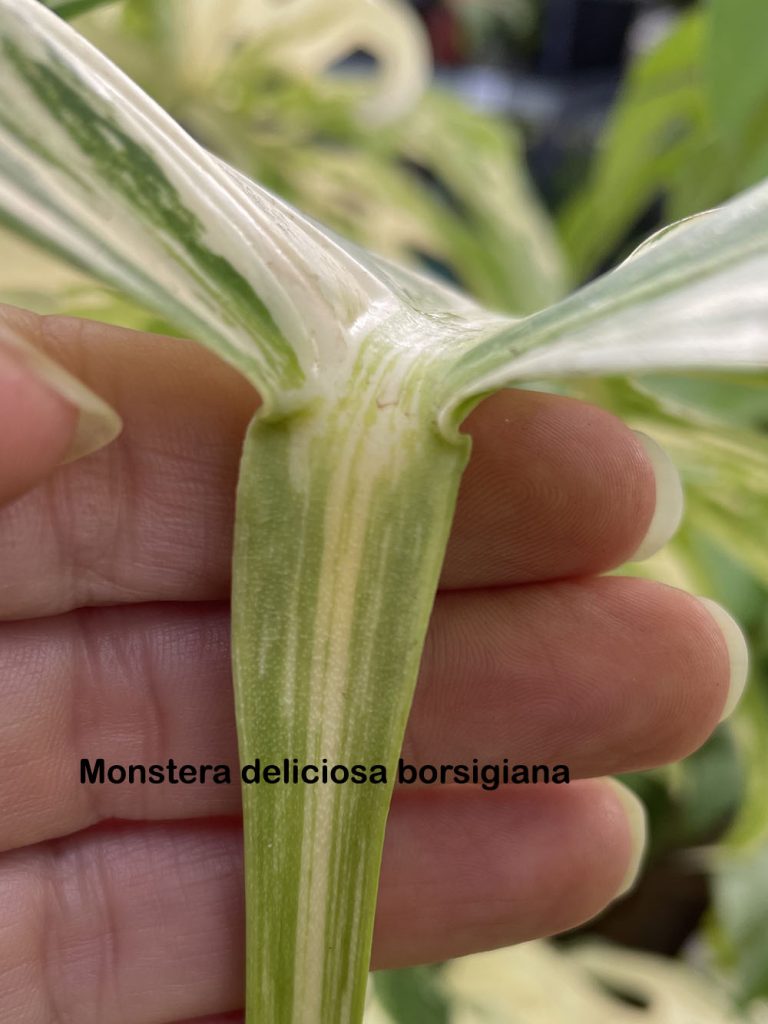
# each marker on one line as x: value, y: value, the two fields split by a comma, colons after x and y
x: 556, y: 75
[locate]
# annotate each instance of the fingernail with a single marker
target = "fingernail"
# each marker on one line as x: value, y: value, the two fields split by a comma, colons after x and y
x: 13, y: 370
x: 669, y: 499
x: 638, y: 828
x: 40, y: 400
x: 97, y: 424
x: 738, y: 653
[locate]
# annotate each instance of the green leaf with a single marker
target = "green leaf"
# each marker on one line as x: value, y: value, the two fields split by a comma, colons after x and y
x: 656, y: 125
x: 737, y: 78
x: 72, y: 8
x: 740, y: 894
x: 733, y: 399
x: 413, y: 995
x: 687, y: 130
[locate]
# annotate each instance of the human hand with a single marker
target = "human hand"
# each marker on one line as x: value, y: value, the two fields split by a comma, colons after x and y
x: 122, y: 904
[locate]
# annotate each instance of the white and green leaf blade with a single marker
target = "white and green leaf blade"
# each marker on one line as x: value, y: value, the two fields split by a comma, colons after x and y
x: 94, y: 170
x: 695, y: 298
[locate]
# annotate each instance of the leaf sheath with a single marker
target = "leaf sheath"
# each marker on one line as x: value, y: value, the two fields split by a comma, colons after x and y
x: 343, y: 515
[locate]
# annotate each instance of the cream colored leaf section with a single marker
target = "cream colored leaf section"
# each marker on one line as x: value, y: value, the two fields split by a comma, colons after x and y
x: 509, y: 986
x: 305, y: 37
x: 308, y: 36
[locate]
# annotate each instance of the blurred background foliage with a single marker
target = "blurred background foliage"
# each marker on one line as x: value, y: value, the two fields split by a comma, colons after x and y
x: 558, y: 135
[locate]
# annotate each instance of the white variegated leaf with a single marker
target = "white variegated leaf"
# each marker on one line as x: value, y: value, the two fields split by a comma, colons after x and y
x: 94, y: 169
x: 695, y: 298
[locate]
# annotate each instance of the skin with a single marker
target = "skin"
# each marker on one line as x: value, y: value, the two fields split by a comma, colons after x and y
x: 122, y: 905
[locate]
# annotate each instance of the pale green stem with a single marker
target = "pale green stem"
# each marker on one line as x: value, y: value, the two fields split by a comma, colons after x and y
x: 343, y: 514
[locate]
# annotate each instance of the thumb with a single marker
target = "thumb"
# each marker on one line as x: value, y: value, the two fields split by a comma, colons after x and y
x: 46, y: 416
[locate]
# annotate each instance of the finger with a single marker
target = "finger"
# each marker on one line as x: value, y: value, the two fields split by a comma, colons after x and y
x: 463, y: 873
x: 36, y: 427
x: 606, y: 675
x: 555, y: 488
x: 113, y: 527
x: 135, y: 926
x: 602, y: 675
